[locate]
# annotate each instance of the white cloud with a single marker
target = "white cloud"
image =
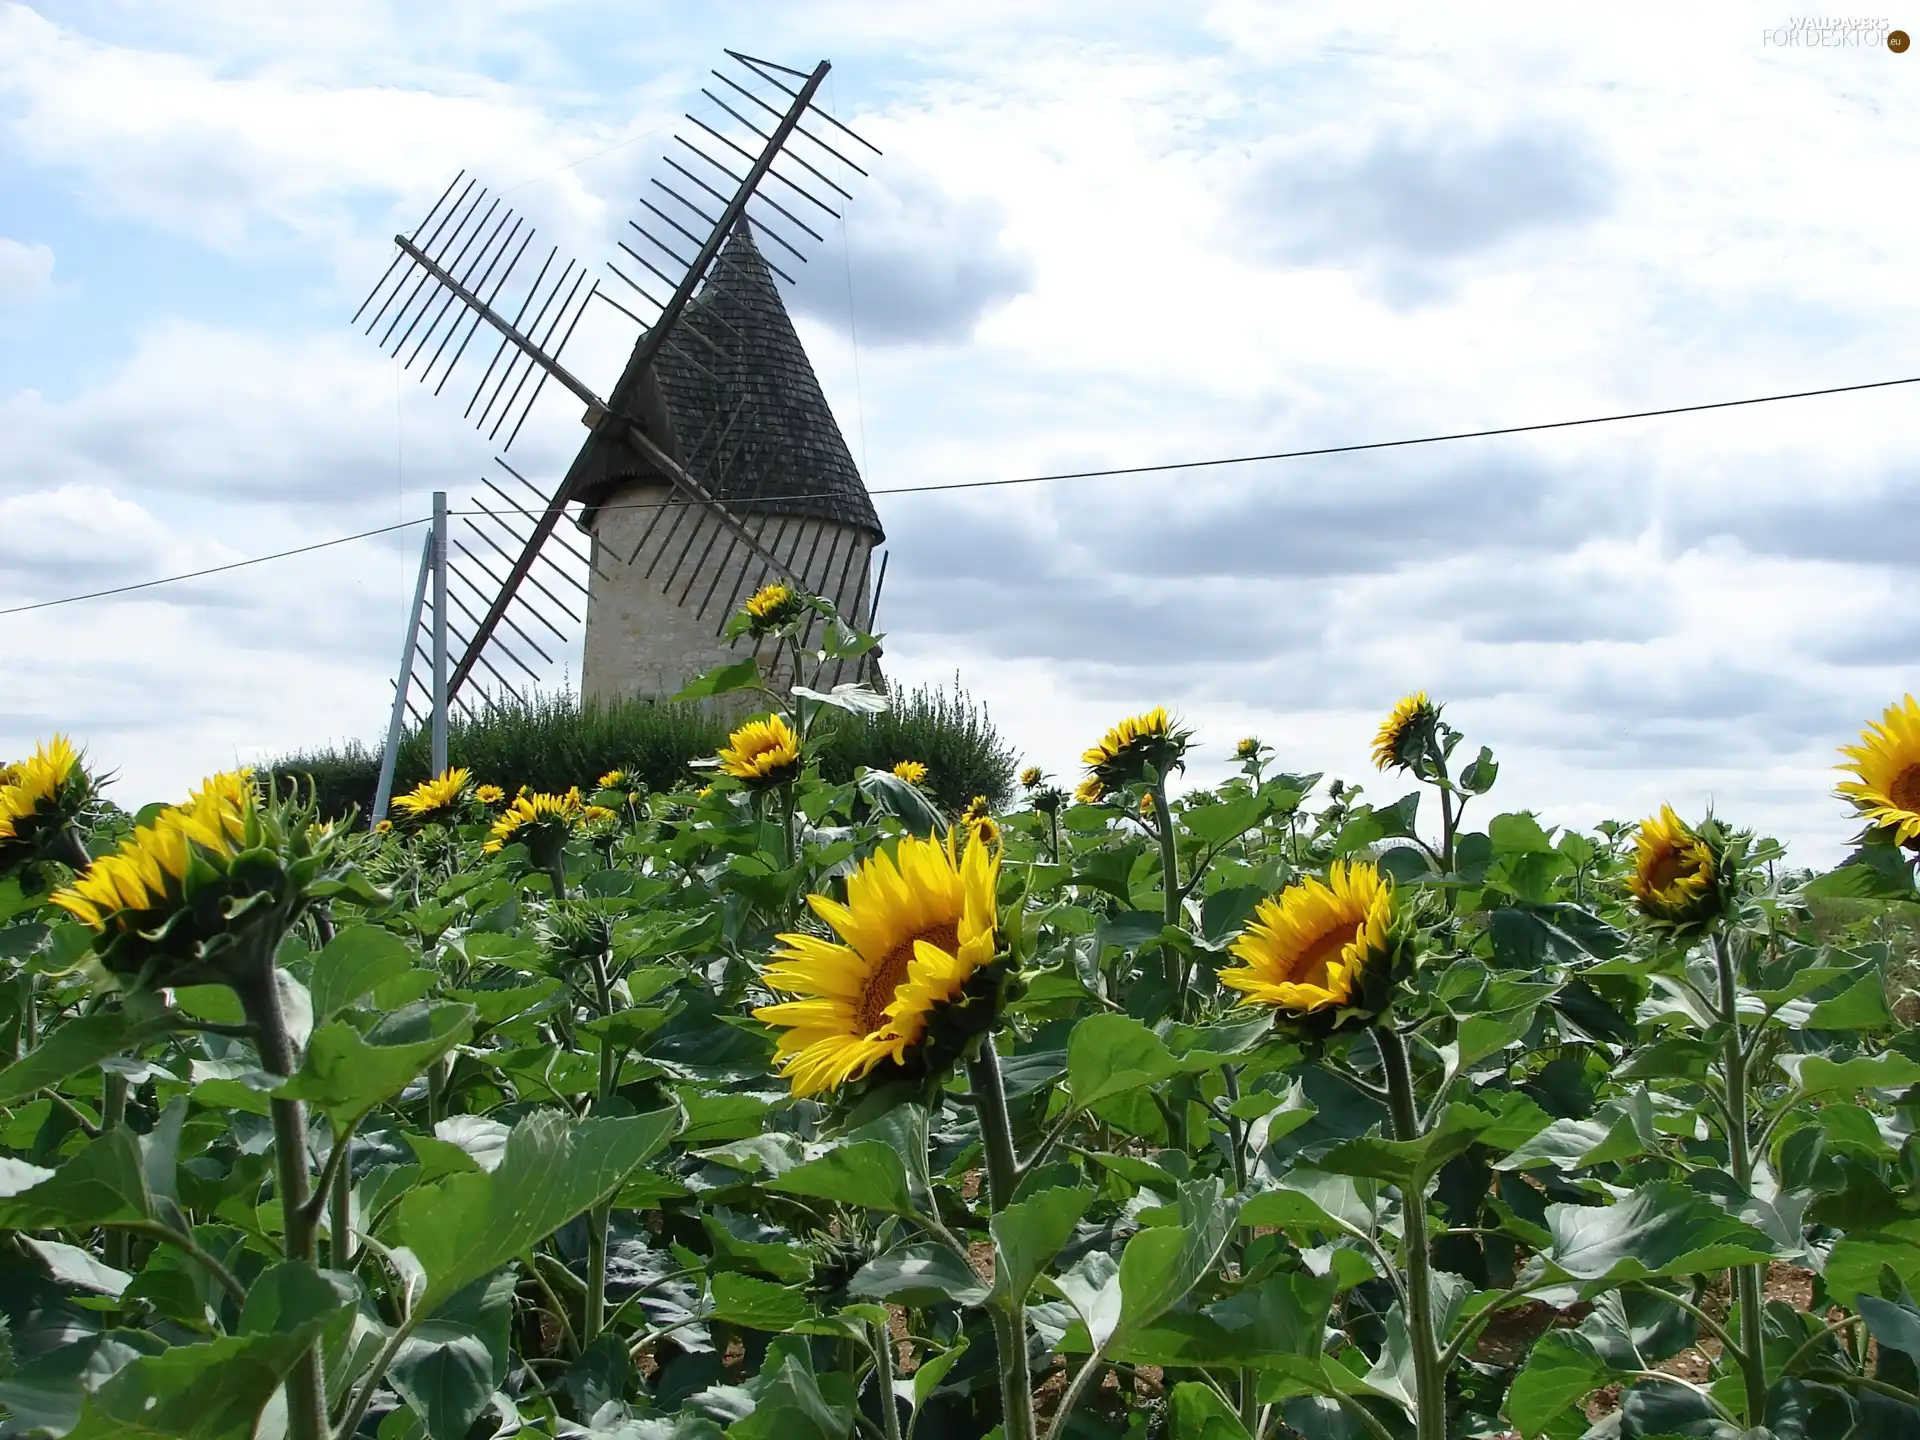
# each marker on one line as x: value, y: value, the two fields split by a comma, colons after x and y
x: 1146, y: 239
x: 26, y: 272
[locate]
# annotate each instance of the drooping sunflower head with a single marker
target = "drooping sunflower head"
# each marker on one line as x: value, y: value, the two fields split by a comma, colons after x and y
x: 541, y: 822
x: 436, y: 799
x: 1031, y: 777
x: 1886, y: 767
x: 1127, y: 750
x: 770, y: 607
x: 762, y: 752
x: 1679, y: 876
x: 1321, y: 949
x: 1407, y: 734
x: 40, y: 797
x: 911, y: 771
x: 489, y: 795
x: 611, y: 780
x: 1089, y: 791
x: 909, y: 981
x: 204, y: 890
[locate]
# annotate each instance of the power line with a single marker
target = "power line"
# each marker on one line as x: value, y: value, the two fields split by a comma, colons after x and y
x: 1173, y: 465
x: 214, y: 569
x: 1162, y: 468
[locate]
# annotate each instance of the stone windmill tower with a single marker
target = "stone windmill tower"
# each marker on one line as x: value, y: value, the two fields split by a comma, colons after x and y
x: 748, y: 411
x: 714, y: 465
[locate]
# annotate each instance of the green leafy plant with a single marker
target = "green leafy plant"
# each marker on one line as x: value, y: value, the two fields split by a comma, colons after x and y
x: 831, y: 1106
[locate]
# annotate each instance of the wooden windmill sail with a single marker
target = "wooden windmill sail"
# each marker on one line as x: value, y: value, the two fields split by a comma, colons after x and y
x: 712, y: 467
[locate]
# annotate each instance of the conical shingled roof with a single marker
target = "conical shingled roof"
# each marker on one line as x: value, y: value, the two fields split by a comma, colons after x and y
x: 742, y: 410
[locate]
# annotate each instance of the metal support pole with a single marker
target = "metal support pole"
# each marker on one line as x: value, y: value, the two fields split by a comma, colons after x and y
x: 439, y: 541
x: 383, y: 795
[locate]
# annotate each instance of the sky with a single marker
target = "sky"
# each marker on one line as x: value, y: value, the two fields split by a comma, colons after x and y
x: 1098, y: 236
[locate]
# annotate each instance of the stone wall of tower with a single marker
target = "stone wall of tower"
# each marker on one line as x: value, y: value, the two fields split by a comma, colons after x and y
x: 665, y: 582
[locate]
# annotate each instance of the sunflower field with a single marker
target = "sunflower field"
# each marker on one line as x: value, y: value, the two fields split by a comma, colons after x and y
x: 769, y: 1106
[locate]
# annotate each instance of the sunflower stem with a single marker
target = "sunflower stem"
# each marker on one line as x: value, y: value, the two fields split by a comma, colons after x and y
x: 113, y: 1114
x: 1009, y: 1314
x: 1174, y: 968
x: 258, y: 987
x: 1430, y: 1381
x: 1747, y: 1278
x: 786, y: 822
x: 1237, y: 1145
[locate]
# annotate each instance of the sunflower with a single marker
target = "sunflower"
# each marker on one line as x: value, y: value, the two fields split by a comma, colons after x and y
x: 1676, y: 875
x: 1125, y: 751
x: 1031, y: 777
x: 1089, y: 791
x: 385, y: 827
x: 1146, y: 805
x: 138, y: 886
x: 540, y: 822
x: 611, y: 779
x: 1247, y: 749
x: 1887, y: 760
x: 39, y: 801
x: 911, y: 771
x: 915, y: 930
x: 1316, y: 945
x: 594, y: 813
x: 1404, y: 738
x: 489, y: 795
x: 770, y: 607
x: 434, y: 799
x: 762, y: 752
x: 978, y: 822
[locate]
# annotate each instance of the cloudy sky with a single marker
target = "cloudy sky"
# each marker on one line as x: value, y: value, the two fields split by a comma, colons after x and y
x: 1167, y: 233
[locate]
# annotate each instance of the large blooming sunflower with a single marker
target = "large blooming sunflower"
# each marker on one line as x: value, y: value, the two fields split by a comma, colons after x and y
x: 1126, y: 750
x: 434, y: 799
x: 762, y: 752
x: 1676, y: 876
x: 1887, y: 760
x: 1404, y: 737
x: 1314, y: 947
x: 911, y: 771
x: 538, y: 821
x: 915, y: 929
x: 41, y: 797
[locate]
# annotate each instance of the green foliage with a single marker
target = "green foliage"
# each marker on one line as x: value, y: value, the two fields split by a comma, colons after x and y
x: 494, y: 1145
x: 558, y: 740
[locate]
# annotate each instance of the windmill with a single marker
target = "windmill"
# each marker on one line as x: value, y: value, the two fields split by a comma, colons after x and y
x: 712, y: 467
